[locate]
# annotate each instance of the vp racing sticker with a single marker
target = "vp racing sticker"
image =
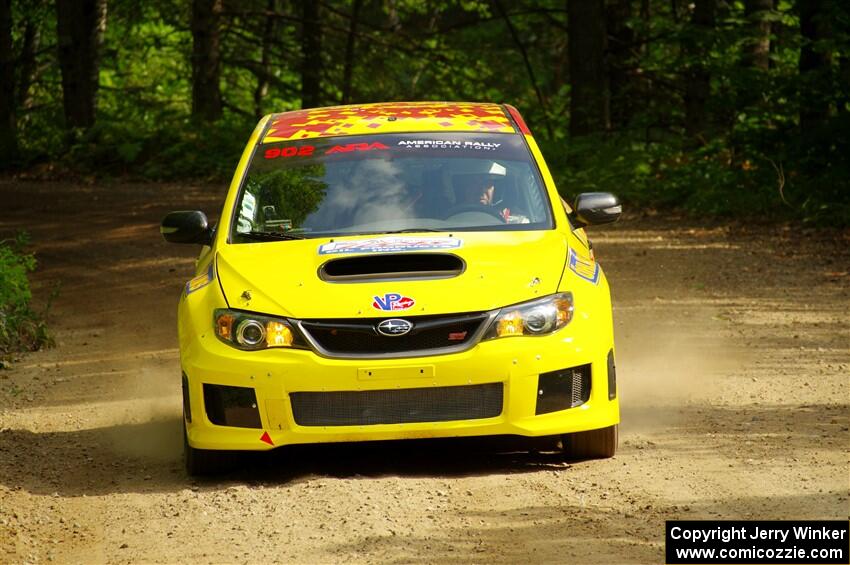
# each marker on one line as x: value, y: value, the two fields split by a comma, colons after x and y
x: 200, y: 281
x: 389, y: 245
x: 392, y: 301
x: 586, y: 269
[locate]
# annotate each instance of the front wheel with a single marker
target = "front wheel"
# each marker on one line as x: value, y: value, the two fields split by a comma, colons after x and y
x: 592, y: 444
x: 205, y: 461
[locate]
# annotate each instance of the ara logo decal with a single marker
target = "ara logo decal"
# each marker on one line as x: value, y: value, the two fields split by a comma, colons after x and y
x: 348, y: 148
x: 392, y: 301
x: 586, y: 269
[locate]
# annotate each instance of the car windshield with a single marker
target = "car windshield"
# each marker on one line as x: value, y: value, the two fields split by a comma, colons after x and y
x: 390, y: 183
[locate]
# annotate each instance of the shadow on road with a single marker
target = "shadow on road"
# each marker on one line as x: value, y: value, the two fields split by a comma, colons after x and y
x: 147, y: 457
x: 574, y: 532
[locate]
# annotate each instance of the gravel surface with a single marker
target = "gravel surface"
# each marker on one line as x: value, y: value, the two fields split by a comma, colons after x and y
x: 733, y: 362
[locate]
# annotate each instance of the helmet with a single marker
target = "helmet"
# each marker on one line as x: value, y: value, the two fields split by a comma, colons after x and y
x: 475, y: 167
x: 468, y: 182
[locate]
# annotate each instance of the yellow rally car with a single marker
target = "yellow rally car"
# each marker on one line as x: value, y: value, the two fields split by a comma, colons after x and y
x: 399, y: 270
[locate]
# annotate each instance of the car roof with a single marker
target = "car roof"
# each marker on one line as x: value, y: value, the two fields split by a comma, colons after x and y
x: 388, y: 117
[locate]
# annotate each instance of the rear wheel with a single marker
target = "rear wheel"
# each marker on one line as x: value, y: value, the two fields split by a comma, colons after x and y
x: 592, y: 444
x: 205, y: 461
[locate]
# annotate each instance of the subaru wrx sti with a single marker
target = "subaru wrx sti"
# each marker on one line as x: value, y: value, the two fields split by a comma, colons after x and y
x: 392, y: 271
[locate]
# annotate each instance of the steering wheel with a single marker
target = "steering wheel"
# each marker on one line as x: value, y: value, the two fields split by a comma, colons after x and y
x: 482, y: 208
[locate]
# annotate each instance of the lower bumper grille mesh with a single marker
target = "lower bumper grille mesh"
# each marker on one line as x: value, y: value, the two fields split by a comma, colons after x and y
x: 437, y: 404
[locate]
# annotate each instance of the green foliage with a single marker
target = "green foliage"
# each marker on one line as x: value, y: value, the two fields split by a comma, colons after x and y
x: 14, y: 265
x: 183, y: 150
x: 753, y: 171
x: 20, y: 327
x: 756, y: 160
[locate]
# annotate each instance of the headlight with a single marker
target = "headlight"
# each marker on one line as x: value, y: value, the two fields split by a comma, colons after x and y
x: 537, y: 317
x: 244, y: 330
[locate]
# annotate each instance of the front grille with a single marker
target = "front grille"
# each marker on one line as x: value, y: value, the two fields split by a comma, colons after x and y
x: 360, y: 336
x: 405, y: 406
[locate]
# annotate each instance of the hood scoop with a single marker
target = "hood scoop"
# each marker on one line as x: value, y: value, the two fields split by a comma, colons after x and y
x: 392, y: 266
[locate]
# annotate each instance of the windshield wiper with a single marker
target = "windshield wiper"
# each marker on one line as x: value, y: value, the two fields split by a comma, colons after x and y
x: 413, y: 230
x: 270, y: 235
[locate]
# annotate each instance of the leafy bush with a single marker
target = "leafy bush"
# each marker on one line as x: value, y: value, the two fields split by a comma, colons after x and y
x: 778, y: 175
x: 175, y: 150
x: 20, y: 327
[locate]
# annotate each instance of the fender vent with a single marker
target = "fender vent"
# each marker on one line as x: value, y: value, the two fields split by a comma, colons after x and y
x: 392, y: 266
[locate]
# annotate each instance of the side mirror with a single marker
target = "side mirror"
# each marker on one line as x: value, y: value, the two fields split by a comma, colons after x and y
x: 594, y: 208
x: 186, y: 226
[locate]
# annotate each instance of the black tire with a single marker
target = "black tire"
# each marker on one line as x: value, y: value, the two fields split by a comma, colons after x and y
x: 592, y: 444
x: 201, y: 462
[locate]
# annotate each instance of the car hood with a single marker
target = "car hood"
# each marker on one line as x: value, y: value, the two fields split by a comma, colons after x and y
x: 282, y: 278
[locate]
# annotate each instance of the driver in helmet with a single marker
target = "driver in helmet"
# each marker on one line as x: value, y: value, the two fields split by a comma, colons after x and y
x: 479, y: 189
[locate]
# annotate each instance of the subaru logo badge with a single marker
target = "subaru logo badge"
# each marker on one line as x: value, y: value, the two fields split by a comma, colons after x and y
x: 394, y: 327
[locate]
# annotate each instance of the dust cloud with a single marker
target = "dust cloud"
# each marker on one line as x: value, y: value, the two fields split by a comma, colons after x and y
x: 148, y: 423
x: 669, y: 357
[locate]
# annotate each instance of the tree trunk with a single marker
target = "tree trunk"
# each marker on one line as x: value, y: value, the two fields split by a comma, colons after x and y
x: 8, y: 122
x: 589, y: 111
x: 311, y: 55
x: 80, y: 25
x: 645, y: 14
x: 206, y: 60
x: 28, y: 67
x: 529, y: 69
x: 698, y: 80
x: 262, y: 87
x: 757, y: 50
x: 645, y: 84
x: 815, y: 64
x: 844, y: 81
x: 350, y: 44
x: 620, y: 61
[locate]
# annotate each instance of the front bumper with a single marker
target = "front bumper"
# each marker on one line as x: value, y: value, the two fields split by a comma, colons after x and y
x: 276, y: 374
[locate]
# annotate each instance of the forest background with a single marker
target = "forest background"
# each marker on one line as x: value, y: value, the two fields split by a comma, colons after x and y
x: 715, y: 107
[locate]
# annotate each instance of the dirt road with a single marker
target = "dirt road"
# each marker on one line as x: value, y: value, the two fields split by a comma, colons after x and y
x: 733, y: 359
